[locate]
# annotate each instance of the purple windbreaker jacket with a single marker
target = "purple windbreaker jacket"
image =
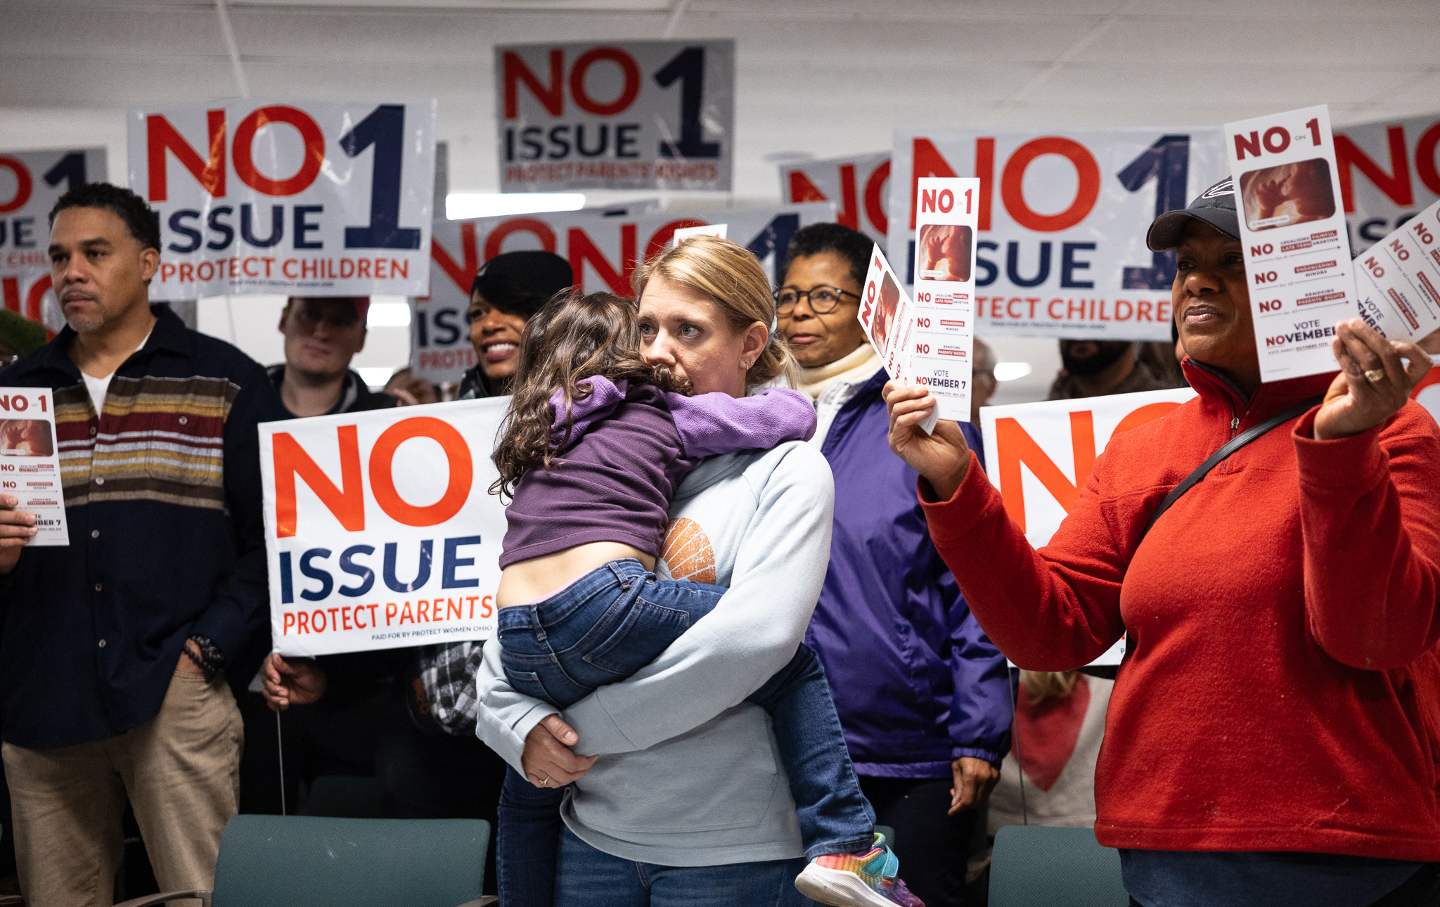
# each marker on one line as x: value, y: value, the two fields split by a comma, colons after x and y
x: 916, y: 682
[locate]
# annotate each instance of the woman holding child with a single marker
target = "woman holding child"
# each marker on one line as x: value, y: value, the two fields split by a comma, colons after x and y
x: 677, y: 791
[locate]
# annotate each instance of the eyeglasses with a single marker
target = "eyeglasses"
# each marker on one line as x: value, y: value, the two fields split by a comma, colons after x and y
x: 823, y: 299
x: 309, y: 317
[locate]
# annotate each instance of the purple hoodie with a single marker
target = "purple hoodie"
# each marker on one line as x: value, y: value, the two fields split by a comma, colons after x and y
x: 628, y: 448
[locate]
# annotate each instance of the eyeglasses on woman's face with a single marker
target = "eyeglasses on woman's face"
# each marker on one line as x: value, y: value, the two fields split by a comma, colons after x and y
x: 823, y: 299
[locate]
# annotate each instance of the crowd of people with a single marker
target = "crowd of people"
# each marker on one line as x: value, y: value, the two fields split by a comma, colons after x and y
x: 751, y: 615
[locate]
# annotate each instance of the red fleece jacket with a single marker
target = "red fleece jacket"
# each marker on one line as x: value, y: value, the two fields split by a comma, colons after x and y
x: 1280, y: 686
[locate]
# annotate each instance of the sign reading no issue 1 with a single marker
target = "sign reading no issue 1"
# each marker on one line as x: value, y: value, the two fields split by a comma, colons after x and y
x: 321, y: 198
x: 638, y: 115
x: 31, y: 182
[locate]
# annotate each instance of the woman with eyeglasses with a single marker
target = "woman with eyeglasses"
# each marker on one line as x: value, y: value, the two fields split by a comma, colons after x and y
x: 921, y: 693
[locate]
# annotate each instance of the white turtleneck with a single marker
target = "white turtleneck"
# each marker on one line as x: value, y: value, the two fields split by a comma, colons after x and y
x: 834, y: 383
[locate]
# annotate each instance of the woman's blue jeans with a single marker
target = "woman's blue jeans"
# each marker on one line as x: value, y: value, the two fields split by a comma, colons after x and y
x: 605, y: 627
x: 592, y: 878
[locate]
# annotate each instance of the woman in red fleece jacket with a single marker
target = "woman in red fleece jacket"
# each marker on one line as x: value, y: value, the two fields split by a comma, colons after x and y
x: 1272, y: 736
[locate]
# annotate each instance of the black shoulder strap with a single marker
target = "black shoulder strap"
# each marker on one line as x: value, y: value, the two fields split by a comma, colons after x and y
x: 1234, y: 444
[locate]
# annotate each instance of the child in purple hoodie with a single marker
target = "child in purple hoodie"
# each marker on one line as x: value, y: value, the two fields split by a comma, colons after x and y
x: 592, y: 449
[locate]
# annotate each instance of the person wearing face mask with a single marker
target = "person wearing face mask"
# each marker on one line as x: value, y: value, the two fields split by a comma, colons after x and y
x: 507, y: 290
x: 1273, y: 731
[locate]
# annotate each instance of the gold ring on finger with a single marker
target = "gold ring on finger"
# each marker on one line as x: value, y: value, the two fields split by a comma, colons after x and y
x: 1374, y: 375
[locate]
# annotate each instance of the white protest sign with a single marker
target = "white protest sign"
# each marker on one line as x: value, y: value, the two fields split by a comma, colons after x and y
x: 857, y: 186
x: 28, y: 294
x: 1427, y: 393
x: 319, y: 198
x: 30, y: 461
x: 618, y: 115
x: 31, y: 182
x: 1292, y: 230
x: 945, y: 292
x: 379, y: 528
x: 1062, y: 221
x: 685, y: 233
x: 1389, y: 170
x: 1397, y: 280
x: 602, y: 250
x: 1040, y: 455
x: 887, y: 316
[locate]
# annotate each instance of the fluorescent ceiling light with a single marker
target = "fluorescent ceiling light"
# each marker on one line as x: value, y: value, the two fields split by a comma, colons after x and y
x: 388, y: 315
x: 1011, y: 371
x: 375, y: 376
x: 465, y: 205
x: 601, y: 6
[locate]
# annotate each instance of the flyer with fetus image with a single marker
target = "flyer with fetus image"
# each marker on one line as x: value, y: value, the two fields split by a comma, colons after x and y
x: 944, y: 252
x: 1287, y: 194
x: 946, y: 218
x: 1397, y: 280
x: 1294, y: 238
x: 29, y: 463
x: 887, y: 316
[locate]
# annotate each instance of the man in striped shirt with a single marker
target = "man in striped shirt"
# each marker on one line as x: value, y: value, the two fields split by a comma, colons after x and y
x: 116, y: 648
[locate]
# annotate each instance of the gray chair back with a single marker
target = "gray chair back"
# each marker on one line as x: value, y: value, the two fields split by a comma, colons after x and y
x: 1035, y: 866
x: 329, y: 862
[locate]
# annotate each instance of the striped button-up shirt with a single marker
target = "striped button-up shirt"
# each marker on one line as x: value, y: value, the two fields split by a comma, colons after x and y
x: 162, y: 500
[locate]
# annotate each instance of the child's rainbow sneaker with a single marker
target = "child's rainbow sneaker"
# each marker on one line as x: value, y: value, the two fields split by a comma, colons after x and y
x: 869, y: 879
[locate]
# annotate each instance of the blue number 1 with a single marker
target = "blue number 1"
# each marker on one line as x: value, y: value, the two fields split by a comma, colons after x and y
x: 1168, y: 162
x: 688, y: 66
x: 384, y: 128
x: 70, y: 169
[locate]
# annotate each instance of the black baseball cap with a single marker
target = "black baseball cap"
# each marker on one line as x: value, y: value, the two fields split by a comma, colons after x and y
x: 521, y: 282
x: 1215, y: 206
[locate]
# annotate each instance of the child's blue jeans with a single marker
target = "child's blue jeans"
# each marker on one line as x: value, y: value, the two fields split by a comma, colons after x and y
x: 605, y: 627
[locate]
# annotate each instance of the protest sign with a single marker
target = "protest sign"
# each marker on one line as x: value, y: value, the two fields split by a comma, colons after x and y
x: 602, y: 250
x: 857, y: 186
x: 1389, y: 170
x: 1292, y: 232
x: 627, y: 115
x: 685, y: 233
x: 315, y: 198
x: 380, y: 531
x: 1040, y: 455
x: 887, y: 316
x: 28, y: 294
x: 1397, y: 280
x: 1427, y: 393
x: 30, y: 461
x: 1062, y: 221
x: 945, y: 291
x: 31, y: 182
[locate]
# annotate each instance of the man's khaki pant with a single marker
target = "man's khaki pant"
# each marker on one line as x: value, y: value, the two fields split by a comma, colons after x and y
x: 181, y: 772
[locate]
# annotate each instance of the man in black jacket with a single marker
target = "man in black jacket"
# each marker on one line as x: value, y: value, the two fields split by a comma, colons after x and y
x: 322, y: 336
x: 116, y: 646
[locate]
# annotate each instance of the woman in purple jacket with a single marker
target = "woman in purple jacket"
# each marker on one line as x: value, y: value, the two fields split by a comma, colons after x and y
x: 921, y: 692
